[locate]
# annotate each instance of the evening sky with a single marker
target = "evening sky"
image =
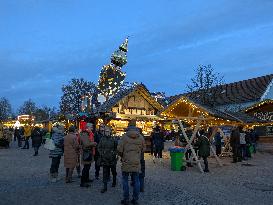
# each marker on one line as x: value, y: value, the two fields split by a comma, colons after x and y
x: 45, y: 43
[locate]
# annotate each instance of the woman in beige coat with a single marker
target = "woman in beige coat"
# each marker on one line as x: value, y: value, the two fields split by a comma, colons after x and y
x: 71, y: 152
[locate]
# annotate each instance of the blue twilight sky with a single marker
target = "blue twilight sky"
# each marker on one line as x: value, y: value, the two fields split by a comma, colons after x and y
x: 45, y: 43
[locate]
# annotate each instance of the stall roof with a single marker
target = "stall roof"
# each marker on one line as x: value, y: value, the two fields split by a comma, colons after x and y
x: 209, y: 110
x: 259, y: 104
x: 139, y: 87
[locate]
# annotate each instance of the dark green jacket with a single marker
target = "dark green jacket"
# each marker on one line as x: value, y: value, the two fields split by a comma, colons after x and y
x: 204, y: 146
x: 107, y: 149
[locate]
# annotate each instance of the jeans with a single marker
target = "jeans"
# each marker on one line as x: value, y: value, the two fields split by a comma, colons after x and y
x: 218, y: 149
x: 26, y: 143
x: 106, y: 173
x: 85, y: 173
x: 36, y: 149
x: 97, y: 166
x: 243, y: 151
x: 158, y: 152
x: 141, y: 181
x: 55, y: 163
x: 19, y: 141
x: 136, y: 188
x: 206, y: 163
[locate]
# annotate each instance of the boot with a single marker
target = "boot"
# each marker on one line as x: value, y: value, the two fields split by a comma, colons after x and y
x: 114, y: 183
x: 70, y: 173
x: 104, y: 189
x: 67, y: 175
x: 53, y: 178
x: 79, y: 171
x: 83, y: 183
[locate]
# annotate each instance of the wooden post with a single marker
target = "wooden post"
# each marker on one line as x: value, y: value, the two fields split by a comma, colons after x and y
x: 190, y: 141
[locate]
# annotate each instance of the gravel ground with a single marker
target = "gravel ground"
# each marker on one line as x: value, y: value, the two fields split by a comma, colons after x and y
x: 24, y: 180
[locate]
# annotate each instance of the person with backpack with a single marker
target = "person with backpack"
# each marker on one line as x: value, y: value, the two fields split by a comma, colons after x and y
x: 36, y: 137
x: 57, y: 153
x: 107, y: 149
x: 88, y: 151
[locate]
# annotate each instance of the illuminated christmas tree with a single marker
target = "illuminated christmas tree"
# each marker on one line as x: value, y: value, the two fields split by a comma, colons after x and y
x: 111, y: 76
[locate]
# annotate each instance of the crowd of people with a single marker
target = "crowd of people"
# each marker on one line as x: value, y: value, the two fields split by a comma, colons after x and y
x: 82, y: 148
x: 243, y: 143
x: 87, y: 146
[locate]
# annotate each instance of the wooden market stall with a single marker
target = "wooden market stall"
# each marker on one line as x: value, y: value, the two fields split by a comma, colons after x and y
x: 134, y: 102
x: 197, y: 116
x: 264, y: 112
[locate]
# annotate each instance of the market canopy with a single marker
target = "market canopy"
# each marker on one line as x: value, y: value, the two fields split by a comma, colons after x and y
x: 188, y: 109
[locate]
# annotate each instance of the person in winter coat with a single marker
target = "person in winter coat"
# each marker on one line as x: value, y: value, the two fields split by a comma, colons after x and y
x: 88, y: 152
x: 71, y: 150
x: 36, y: 137
x: 57, y: 153
x: 242, y: 144
x: 248, y: 143
x: 27, y: 134
x: 107, y: 149
x: 98, y: 136
x: 17, y: 135
x: 254, y: 139
x: 142, y: 170
x: 158, y: 140
x: 130, y: 147
x: 235, y: 144
x: 218, y: 143
x: 204, y: 148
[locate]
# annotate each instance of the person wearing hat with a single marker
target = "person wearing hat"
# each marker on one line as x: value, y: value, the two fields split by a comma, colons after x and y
x: 130, y: 147
x: 88, y: 151
x: 107, y: 149
x: 57, y: 153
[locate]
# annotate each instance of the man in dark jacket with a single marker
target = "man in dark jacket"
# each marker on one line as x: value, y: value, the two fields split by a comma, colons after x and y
x: 235, y: 144
x: 36, y: 140
x: 158, y: 140
x: 218, y: 143
x: 204, y: 148
x: 107, y: 149
x: 17, y: 135
x: 97, y: 137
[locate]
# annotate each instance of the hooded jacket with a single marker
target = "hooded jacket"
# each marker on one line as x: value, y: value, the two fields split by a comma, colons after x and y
x: 129, y: 148
x: 58, y: 139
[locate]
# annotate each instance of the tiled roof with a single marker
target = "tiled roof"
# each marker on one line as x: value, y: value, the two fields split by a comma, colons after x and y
x: 238, y: 92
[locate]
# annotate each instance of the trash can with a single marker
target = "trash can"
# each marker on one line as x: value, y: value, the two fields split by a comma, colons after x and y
x: 177, y: 158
